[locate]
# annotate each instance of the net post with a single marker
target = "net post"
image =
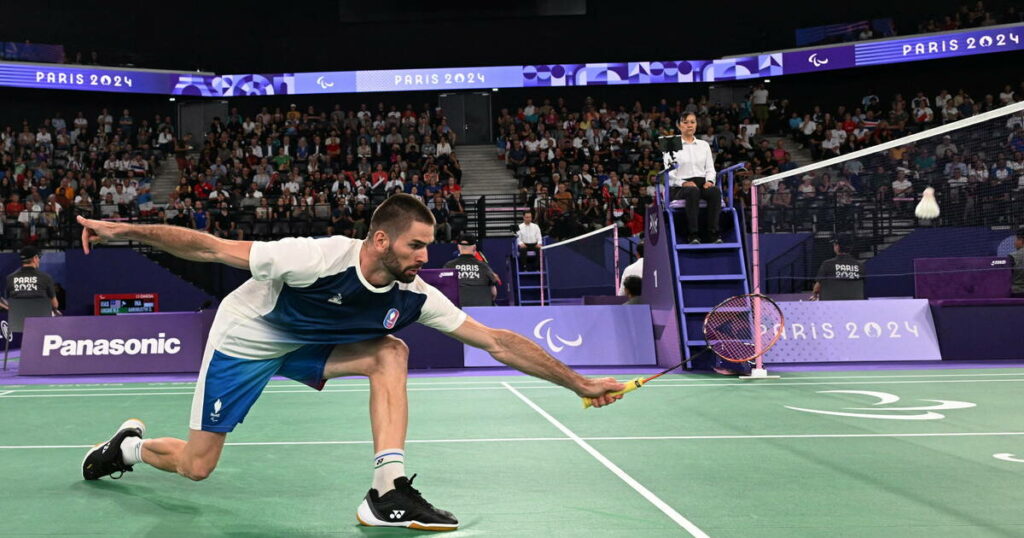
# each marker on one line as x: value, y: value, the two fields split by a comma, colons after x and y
x: 758, y: 372
x: 615, y: 249
x: 755, y: 254
x: 540, y: 259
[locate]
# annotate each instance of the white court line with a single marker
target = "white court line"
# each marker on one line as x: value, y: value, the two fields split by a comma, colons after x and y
x: 189, y: 385
x: 547, y: 386
x: 768, y: 383
x: 6, y: 392
x: 564, y: 439
x: 357, y: 383
x: 314, y: 443
x: 804, y: 436
x: 496, y: 385
x: 295, y: 391
x: 652, y: 498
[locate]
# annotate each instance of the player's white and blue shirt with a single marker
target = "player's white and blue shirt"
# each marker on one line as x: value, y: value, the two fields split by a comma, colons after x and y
x: 305, y: 296
x: 312, y: 291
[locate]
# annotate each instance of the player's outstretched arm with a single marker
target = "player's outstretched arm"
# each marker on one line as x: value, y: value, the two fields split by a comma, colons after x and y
x: 526, y: 356
x: 181, y: 242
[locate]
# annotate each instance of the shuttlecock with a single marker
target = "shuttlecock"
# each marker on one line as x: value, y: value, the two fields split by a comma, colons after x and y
x: 927, y: 208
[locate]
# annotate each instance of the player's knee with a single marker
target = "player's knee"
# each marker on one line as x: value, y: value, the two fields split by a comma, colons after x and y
x: 197, y: 471
x: 395, y: 347
x: 393, y: 356
x: 198, y: 475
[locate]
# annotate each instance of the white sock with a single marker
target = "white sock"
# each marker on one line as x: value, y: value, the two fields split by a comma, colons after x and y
x: 388, y: 464
x: 131, y: 450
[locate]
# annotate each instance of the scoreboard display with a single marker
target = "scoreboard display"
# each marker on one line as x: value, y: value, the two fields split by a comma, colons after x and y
x: 111, y: 304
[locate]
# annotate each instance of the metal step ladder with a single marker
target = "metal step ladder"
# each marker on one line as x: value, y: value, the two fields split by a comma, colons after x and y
x: 706, y: 274
x: 527, y: 285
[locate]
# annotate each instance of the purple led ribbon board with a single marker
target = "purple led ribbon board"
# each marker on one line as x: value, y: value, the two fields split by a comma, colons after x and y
x: 947, y: 45
x: 931, y: 47
x: 61, y: 77
x: 950, y: 45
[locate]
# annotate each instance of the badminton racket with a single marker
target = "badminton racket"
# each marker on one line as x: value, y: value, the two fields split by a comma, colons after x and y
x: 740, y: 329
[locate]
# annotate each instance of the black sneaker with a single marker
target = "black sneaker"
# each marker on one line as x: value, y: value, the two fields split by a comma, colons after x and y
x: 403, y: 507
x: 694, y: 240
x: 106, y: 459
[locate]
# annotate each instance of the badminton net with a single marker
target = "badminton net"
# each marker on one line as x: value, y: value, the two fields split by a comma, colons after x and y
x: 866, y: 198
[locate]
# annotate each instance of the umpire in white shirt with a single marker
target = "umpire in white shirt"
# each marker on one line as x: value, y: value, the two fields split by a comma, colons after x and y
x: 694, y: 179
x: 528, y: 239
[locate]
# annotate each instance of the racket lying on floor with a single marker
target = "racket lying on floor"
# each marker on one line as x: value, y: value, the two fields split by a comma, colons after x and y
x: 739, y: 329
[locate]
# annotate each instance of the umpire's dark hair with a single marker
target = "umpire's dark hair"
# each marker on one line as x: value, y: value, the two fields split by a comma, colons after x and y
x: 396, y: 214
x: 633, y: 285
x: 640, y: 249
x: 1020, y: 232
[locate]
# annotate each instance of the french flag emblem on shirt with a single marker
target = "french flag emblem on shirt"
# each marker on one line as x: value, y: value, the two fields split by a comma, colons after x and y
x: 391, y: 319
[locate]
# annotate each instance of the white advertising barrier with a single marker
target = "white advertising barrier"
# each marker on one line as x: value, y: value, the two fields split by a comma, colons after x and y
x: 613, y: 335
x: 842, y: 331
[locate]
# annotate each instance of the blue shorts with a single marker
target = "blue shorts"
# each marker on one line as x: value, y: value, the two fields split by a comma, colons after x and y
x: 229, y: 386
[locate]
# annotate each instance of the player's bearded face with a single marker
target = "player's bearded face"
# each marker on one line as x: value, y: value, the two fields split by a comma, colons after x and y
x: 407, y: 253
x: 402, y: 272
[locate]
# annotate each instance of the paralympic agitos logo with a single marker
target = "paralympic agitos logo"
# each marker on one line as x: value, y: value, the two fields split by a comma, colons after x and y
x: 815, y: 61
x: 555, y: 348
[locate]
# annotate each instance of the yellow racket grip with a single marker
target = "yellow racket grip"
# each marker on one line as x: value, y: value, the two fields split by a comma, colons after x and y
x: 631, y: 385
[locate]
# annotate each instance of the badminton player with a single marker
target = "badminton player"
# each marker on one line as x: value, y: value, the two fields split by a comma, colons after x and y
x: 315, y: 309
x: 693, y: 180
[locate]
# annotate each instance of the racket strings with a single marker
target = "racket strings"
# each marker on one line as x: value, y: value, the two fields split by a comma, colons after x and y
x: 742, y: 327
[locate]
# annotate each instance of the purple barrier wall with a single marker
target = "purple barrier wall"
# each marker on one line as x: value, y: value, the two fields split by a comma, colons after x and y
x: 961, y: 278
x: 429, y: 348
x: 586, y: 267
x: 925, y: 243
x: 576, y: 335
x: 122, y: 270
x: 126, y: 344
x: 980, y: 331
x: 785, y: 261
x: 841, y: 331
x: 9, y: 263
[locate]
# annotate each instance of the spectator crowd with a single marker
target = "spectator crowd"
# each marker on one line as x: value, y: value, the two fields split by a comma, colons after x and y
x: 313, y: 172
x: 268, y: 174
x: 100, y: 165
